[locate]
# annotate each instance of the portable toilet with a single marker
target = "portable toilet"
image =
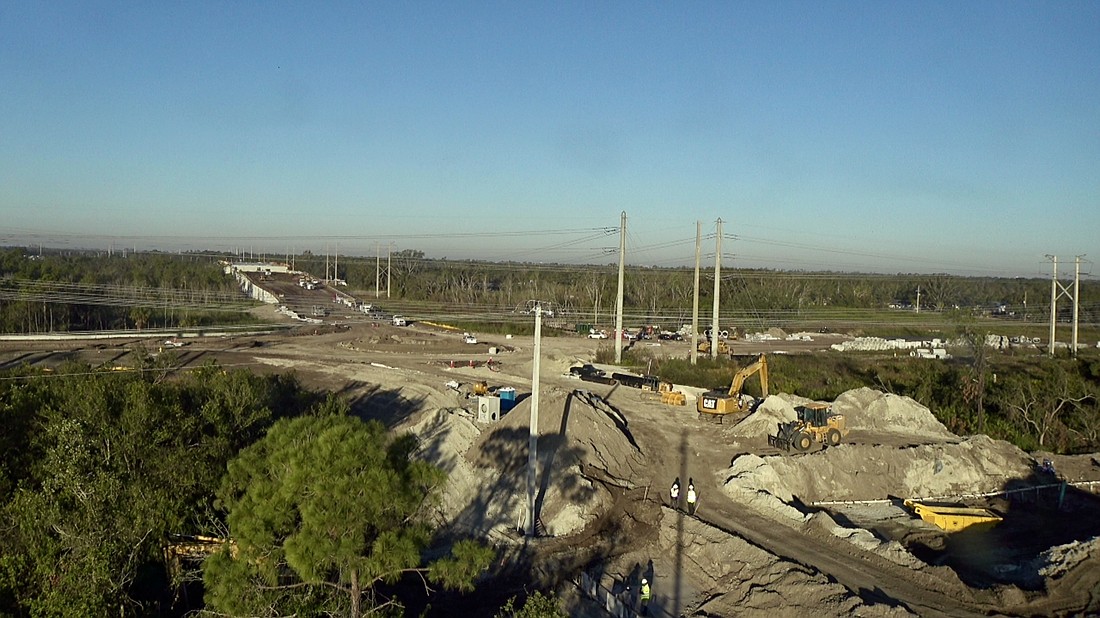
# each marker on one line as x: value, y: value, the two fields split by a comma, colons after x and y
x: 488, y: 409
x: 507, y: 398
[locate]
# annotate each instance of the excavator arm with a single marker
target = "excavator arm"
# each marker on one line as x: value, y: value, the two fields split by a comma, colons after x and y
x: 759, y: 365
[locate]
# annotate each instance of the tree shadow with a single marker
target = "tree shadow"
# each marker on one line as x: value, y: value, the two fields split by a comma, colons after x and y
x: 372, y: 402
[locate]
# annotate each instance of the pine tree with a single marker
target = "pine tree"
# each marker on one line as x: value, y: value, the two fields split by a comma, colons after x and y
x: 321, y: 511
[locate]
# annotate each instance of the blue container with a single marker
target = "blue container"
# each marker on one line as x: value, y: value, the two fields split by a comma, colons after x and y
x: 507, y: 398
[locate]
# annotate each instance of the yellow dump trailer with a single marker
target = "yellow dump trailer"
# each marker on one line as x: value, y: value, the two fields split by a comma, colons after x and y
x: 953, y: 518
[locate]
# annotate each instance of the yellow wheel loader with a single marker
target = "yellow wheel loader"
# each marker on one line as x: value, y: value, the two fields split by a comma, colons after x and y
x: 816, y: 423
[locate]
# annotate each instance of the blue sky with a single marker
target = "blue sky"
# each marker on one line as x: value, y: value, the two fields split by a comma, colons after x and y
x: 878, y: 136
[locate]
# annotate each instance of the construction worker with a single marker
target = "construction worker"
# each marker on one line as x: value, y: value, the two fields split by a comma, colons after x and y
x: 645, y: 596
x: 674, y: 494
x: 692, y: 498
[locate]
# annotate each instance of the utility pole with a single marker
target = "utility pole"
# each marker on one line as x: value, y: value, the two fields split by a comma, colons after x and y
x: 533, y: 438
x: 377, y: 270
x: 918, y: 299
x: 717, y: 287
x: 619, y: 302
x: 389, y: 258
x: 695, y: 298
x: 336, y: 265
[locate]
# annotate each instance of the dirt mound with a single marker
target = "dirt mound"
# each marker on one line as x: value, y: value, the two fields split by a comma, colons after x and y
x: 578, y: 440
x: 868, y: 409
x: 766, y: 418
x: 864, y: 409
x: 868, y: 541
x: 732, y: 577
x: 872, y: 472
x: 445, y: 436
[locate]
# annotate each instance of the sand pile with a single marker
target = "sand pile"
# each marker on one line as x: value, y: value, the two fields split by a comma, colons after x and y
x: 764, y: 420
x: 445, y: 436
x: 871, y: 472
x: 736, y: 578
x: 1057, y: 561
x: 866, y: 540
x: 868, y: 409
x: 576, y: 442
x: 864, y: 409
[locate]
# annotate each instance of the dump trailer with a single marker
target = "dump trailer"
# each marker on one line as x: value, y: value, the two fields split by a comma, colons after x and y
x: 720, y: 403
x: 953, y: 518
x: 816, y: 423
x: 645, y: 383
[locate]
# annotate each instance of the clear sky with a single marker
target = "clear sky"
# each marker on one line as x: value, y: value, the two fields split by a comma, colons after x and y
x: 882, y: 136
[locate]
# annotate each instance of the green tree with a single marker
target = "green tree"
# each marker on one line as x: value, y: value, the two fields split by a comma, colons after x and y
x: 321, y: 511
x: 99, y: 468
x: 537, y: 605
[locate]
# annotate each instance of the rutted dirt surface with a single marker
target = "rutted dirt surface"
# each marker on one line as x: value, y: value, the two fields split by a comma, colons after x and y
x: 821, y: 533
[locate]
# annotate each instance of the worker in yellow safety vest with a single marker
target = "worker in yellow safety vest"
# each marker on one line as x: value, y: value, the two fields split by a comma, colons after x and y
x: 645, y: 595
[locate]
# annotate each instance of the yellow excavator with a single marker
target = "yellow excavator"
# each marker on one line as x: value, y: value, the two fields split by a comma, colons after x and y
x: 719, y: 403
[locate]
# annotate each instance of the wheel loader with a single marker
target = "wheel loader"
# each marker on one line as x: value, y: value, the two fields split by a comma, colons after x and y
x: 816, y: 423
x: 720, y: 403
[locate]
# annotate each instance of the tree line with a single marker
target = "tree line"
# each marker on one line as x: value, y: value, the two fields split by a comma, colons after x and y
x: 152, y: 290
x: 756, y: 297
x: 88, y: 290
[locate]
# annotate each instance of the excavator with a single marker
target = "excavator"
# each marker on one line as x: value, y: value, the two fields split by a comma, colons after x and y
x: 816, y: 423
x: 720, y: 403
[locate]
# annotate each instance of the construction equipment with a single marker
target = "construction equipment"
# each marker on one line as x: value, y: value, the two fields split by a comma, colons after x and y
x: 723, y: 347
x: 656, y: 388
x: 719, y: 403
x: 816, y: 423
x: 718, y: 339
x: 953, y: 518
x: 479, y: 388
x: 589, y: 373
